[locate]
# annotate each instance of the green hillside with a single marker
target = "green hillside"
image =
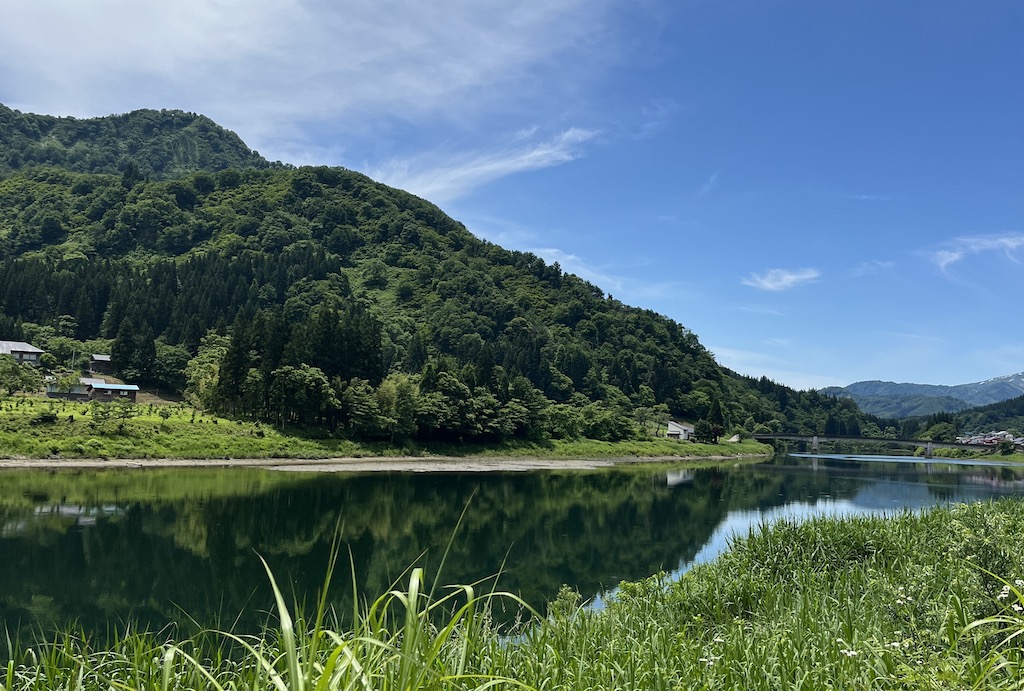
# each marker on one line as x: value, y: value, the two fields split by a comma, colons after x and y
x: 161, y: 144
x: 318, y: 297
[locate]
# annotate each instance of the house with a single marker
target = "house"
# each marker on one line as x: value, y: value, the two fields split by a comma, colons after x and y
x: 21, y: 351
x: 112, y: 392
x: 679, y: 430
x: 100, y: 364
x: 78, y: 392
x: 92, y: 389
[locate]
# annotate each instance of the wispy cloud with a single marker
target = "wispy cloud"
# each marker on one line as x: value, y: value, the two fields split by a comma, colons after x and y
x: 961, y: 247
x: 708, y: 186
x: 781, y: 279
x: 776, y: 368
x: 755, y: 309
x: 869, y: 197
x: 630, y: 290
x: 443, y: 177
x: 870, y: 268
x: 655, y: 116
x: 574, y: 264
x: 944, y: 258
x: 274, y: 68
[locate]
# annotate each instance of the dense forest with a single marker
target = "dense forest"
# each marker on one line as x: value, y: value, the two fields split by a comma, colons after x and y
x: 317, y: 297
x: 154, y: 144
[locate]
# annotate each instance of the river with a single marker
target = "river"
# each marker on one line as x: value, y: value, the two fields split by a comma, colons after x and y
x: 159, y: 547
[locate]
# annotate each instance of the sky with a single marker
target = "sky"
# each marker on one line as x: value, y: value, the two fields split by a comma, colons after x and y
x: 824, y: 192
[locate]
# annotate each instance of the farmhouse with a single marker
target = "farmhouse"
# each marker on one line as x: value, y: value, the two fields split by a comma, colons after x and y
x: 23, y: 352
x: 91, y: 389
x: 679, y: 430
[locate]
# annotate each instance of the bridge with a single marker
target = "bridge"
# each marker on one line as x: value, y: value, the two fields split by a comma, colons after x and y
x: 817, y: 439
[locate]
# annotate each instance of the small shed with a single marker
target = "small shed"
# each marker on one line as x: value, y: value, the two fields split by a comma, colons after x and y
x: 24, y: 353
x: 679, y: 430
x: 100, y: 364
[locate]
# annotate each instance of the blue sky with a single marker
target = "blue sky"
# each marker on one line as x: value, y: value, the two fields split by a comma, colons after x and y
x: 824, y: 192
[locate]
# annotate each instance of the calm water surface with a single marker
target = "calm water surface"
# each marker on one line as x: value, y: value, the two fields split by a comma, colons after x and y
x: 161, y: 546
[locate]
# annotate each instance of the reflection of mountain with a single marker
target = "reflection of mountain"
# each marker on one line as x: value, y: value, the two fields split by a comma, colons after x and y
x: 194, y: 552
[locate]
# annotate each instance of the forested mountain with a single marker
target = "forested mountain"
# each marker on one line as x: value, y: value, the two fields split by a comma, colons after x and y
x: 890, y: 399
x: 1005, y: 415
x: 318, y: 297
x: 160, y: 144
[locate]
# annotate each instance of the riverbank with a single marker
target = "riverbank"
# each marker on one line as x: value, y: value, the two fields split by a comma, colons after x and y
x: 929, y: 600
x: 46, y: 434
x: 382, y: 464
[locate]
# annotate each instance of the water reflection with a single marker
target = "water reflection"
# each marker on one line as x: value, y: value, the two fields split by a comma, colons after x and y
x: 101, y: 548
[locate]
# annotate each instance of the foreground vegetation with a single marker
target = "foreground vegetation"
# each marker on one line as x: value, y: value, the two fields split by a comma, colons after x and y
x: 922, y: 601
x: 38, y: 428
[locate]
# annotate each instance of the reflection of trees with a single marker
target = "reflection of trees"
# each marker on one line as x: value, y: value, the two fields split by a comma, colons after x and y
x: 196, y: 552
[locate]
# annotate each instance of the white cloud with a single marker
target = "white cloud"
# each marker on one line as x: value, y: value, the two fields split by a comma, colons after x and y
x: 781, y: 279
x: 708, y: 186
x: 442, y: 177
x: 755, y: 364
x: 963, y: 246
x: 946, y: 257
x: 872, y: 267
x: 269, y: 68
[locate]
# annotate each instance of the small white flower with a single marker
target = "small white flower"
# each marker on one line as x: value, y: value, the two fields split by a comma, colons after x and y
x: 849, y: 653
x: 895, y: 644
x: 718, y: 639
x: 1019, y: 583
x: 1017, y: 607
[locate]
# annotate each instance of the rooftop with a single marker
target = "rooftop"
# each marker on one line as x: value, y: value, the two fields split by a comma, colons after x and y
x: 9, y: 347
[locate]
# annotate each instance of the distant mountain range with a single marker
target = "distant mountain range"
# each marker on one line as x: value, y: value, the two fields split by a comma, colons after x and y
x: 889, y: 399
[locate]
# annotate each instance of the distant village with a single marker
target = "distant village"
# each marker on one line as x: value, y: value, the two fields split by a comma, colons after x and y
x: 92, y: 388
x: 992, y: 439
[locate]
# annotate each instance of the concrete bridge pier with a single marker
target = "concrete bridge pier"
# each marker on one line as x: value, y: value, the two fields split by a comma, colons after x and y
x: 928, y: 450
x: 814, y: 444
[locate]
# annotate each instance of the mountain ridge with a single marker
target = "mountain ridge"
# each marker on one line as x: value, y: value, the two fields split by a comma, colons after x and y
x: 906, y: 399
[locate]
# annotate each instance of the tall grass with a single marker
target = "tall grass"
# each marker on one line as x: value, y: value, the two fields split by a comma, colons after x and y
x: 910, y: 602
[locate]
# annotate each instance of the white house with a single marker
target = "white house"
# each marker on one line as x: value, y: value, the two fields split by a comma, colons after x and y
x: 21, y: 351
x: 679, y: 430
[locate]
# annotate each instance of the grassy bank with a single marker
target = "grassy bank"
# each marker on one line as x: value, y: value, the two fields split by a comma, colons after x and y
x: 914, y: 602
x: 37, y: 428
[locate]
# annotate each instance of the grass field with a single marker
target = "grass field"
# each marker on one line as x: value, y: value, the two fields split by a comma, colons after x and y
x: 919, y: 601
x: 40, y: 428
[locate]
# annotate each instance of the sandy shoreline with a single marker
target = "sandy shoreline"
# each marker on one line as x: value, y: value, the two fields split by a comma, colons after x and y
x: 396, y: 464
